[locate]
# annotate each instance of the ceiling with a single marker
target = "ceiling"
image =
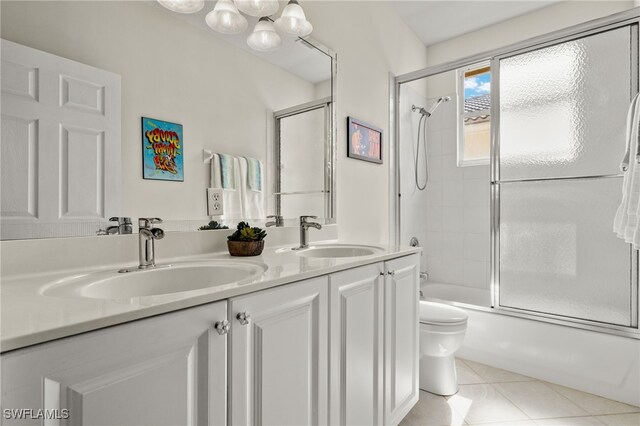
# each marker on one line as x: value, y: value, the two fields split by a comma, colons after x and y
x: 435, y: 21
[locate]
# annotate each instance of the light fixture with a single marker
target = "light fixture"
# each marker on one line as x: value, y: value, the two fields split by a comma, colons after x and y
x: 257, y: 8
x: 293, y: 21
x: 183, y: 6
x: 226, y: 19
x: 264, y: 36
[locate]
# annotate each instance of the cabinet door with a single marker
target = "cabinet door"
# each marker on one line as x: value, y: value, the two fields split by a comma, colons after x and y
x: 401, y: 337
x: 166, y: 370
x: 356, y: 324
x: 278, y: 357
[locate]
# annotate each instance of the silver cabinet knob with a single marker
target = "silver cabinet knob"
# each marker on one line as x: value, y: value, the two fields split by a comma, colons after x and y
x: 243, y: 317
x: 392, y: 273
x: 222, y: 327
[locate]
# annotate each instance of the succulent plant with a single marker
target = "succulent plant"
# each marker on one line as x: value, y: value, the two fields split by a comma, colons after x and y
x: 213, y: 225
x: 244, y: 232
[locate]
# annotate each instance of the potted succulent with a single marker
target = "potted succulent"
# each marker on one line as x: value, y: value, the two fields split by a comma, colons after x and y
x: 213, y: 225
x: 246, y: 241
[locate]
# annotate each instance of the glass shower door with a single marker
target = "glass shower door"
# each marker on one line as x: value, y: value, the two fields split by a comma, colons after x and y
x: 556, y: 184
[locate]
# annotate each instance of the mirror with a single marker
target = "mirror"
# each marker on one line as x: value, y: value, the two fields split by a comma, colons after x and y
x: 175, y: 69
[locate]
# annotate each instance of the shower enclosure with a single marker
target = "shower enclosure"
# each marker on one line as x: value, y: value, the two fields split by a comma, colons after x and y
x: 528, y: 231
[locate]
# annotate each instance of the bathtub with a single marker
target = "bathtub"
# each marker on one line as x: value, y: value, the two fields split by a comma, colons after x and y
x: 598, y: 363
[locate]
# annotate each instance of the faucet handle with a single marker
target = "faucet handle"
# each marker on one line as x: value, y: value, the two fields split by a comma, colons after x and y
x: 122, y: 220
x: 146, y: 222
x: 303, y: 219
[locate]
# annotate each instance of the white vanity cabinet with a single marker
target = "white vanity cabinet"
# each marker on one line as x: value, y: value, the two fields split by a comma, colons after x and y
x: 278, y: 355
x: 356, y: 323
x: 401, y: 336
x: 374, y: 342
x: 165, y: 370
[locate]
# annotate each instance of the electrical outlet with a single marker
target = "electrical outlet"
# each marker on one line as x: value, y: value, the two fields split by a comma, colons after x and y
x: 215, y: 205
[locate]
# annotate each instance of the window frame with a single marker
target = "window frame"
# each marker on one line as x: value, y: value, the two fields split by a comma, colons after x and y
x: 460, y: 73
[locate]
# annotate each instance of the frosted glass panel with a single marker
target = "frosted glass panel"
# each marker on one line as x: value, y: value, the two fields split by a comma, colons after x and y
x: 563, y: 108
x: 558, y: 253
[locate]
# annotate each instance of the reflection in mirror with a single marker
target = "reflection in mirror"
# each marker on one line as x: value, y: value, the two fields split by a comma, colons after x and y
x: 301, y: 155
x: 171, y: 70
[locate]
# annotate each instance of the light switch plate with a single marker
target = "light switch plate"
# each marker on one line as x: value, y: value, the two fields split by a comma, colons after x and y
x: 215, y: 205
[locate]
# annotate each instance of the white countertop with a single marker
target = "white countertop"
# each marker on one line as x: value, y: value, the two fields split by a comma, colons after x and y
x: 28, y: 317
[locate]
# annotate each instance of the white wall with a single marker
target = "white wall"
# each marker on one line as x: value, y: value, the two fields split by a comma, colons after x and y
x: 371, y: 41
x: 171, y: 71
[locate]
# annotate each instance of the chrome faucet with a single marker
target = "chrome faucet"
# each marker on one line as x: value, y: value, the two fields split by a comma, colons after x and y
x: 277, y: 222
x: 124, y: 226
x: 146, y: 237
x: 304, y: 230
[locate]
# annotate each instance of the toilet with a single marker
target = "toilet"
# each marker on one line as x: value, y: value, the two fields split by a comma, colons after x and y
x: 442, y: 329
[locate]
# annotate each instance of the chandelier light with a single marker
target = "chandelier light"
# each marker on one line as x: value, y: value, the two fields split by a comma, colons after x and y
x: 264, y: 36
x: 183, y: 6
x: 226, y: 18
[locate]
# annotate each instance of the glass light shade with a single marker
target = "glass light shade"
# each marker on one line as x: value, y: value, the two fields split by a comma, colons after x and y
x: 293, y: 21
x: 264, y: 36
x: 257, y: 7
x: 183, y: 6
x: 226, y: 19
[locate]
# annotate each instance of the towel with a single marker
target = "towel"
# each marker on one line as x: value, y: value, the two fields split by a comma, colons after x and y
x: 254, y: 174
x: 252, y: 201
x: 216, y: 177
x: 228, y: 172
x: 625, y: 224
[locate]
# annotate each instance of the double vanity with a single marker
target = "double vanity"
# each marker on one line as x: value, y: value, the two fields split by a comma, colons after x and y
x: 325, y: 335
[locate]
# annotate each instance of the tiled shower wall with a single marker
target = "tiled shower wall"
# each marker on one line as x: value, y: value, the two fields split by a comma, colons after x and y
x: 450, y: 217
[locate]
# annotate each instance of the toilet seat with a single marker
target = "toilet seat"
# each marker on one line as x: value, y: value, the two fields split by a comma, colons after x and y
x: 440, y: 314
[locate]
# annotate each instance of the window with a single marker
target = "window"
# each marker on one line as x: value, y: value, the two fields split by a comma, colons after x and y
x: 474, y: 115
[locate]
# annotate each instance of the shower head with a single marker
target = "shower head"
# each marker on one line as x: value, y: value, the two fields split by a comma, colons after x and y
x: 419, y: 110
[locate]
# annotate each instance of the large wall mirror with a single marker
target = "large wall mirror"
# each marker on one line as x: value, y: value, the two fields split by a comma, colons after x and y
x: 173, y: 68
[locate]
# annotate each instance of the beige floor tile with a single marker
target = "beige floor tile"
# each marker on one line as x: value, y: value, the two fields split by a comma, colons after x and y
x: 594, y: 404
x: 511, y: 423
x: 496, y: 375
x: 466, y: 376
x: 570, y: 421
x: 621, y: 419
x: 432, y: 410
x: 539, y: 401
x: 482, y: 403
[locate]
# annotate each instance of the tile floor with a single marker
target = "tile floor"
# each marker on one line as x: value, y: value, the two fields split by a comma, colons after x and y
x: 490, y: 396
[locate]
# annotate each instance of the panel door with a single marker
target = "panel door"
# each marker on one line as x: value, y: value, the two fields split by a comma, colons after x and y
x: 356, y: 324
x: 401, y: 337
x: 60, y: 144
x: 279, y: 368
x: 167, y: 370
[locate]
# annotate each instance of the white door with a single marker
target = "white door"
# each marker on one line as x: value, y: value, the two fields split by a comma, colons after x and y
x: 166, y: 370
x: 278, y: 373
x: 356, y: 324
x: 60, y: 144
x: 401, y: 337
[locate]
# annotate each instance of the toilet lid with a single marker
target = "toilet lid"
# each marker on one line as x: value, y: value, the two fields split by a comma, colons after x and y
x: 439, y: 313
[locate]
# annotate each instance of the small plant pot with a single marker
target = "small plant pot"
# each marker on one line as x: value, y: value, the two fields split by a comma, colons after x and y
x: 245, y: 248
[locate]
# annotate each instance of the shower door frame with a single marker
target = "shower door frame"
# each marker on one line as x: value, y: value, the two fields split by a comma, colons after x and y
x: 621, y: 19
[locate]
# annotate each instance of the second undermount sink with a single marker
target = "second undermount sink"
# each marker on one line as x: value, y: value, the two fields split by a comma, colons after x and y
x: 162, y: 280
x: 339, y: 250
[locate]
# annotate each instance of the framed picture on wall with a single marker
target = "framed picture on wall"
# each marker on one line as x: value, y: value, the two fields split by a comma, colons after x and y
x: 364, y: 141
x: 162, y: 150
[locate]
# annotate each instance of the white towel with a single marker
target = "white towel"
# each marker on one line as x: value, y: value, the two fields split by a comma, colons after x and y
x: 252, y: 201
x: 626, y: 222
x: 231, y: 198
x: 216, y: 177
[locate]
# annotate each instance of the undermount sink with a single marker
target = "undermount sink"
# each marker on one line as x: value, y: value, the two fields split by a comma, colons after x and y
x: 157, y: 281
x: 339, y: 250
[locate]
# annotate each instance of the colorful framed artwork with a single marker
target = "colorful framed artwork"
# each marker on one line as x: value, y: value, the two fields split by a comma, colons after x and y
x: 364, y: 141
x: 162, y: 150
